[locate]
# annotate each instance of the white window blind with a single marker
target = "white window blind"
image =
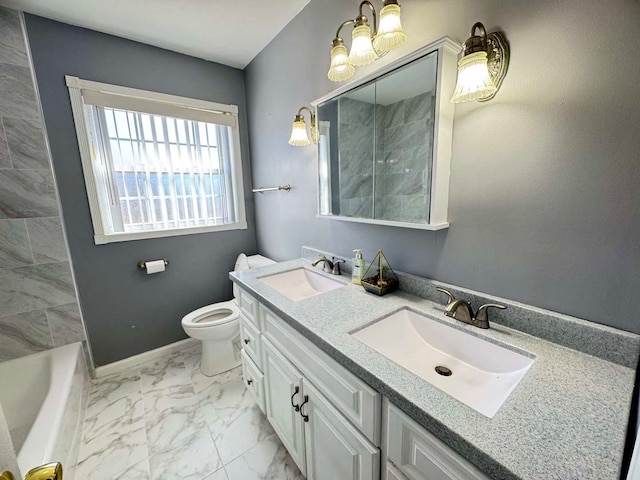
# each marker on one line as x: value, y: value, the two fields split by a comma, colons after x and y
x: 160, y: 166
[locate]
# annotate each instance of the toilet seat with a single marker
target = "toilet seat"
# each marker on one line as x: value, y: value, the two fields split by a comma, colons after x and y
x: 217, y: 326
x: 222, y: 313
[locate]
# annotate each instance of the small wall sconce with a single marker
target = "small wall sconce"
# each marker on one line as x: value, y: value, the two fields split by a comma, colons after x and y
x: 366, y: 47
x: 482, y: 66
x: 299, y: 136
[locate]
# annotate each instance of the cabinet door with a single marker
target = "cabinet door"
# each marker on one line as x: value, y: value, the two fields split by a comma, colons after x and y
x: 356, y: 400
x: 419, y: 455
x: 335, y: 449
x: 392, y: 473
x: 283, y: 386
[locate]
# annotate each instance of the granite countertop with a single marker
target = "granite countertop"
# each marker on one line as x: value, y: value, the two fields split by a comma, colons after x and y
x: 566, y: 419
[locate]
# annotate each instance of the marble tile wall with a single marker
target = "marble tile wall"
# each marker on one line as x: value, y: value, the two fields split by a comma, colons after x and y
x: 356, y: 150
x: 38, y: 303
x: 403, y: 159
x: 400, y: 173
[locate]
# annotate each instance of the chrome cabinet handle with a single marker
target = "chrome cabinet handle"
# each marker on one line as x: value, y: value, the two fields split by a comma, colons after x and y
x: 295, y: 407
x: 246, y: 341
x: 447, y: 293
x: 306, y: 400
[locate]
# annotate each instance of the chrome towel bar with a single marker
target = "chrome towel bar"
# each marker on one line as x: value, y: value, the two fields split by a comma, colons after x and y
x: 286, y: 188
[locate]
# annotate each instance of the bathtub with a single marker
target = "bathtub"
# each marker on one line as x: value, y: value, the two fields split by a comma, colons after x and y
x: 43, y: 397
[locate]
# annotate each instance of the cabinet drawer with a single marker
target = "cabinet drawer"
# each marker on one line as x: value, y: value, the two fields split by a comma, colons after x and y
x: 250, y: 339
x: 248, y: 307
x: 356, y: 400
x: 253, y: 379
x: 419, y: 455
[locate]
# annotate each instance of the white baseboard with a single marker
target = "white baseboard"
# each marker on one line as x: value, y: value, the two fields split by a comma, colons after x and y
x: 130, y: 362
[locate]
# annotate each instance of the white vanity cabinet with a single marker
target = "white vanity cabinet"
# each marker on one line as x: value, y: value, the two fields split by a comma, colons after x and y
x: 330, y: 421
x: 321, y: 441
x: 326, y: 417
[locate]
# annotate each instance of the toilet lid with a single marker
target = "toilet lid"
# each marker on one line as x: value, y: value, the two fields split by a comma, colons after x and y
x: 212, y: 315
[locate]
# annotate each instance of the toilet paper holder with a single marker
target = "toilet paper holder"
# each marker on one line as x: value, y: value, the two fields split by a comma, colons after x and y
x: 142, y: 265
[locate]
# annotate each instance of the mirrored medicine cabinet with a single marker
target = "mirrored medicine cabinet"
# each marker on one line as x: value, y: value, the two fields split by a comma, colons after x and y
x: 384, y: 142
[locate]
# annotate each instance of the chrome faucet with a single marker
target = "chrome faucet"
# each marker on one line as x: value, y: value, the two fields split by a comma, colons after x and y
x: 461, y: 309
x: 330, y: 266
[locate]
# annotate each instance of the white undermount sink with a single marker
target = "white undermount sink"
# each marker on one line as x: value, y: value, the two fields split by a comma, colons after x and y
x: 477, y: 372
x: 300, y: 283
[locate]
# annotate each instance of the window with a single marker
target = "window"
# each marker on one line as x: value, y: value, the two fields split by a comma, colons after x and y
x: 157, y: 165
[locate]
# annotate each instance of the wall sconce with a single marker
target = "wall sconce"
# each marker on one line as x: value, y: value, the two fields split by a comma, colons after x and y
x: 482, y: 67
x: 366, y: 47
x: 299, y: 136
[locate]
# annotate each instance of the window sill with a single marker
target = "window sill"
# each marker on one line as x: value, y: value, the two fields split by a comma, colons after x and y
x: 128, y: 236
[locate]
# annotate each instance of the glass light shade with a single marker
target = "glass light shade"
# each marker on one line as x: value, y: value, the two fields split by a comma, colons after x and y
x: 340, y: 69
x: 390, y: 34
x: 473, y: 78
x: 362, y: 52
x: 299, y: 136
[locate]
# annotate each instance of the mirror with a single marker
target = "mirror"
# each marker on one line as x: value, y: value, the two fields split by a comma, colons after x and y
x: 382, y: 146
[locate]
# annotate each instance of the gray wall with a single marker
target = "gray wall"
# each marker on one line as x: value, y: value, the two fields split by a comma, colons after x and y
x: 38, y: 303
x: 126, y: 311
x: 544, y: 203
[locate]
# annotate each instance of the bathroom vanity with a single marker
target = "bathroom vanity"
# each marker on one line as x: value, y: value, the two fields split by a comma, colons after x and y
x: 345, y: 410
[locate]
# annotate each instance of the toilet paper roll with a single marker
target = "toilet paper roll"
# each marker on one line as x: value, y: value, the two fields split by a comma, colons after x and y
x: 155, y: 266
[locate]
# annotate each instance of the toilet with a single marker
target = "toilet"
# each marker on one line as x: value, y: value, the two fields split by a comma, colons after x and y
x: 218, y: 325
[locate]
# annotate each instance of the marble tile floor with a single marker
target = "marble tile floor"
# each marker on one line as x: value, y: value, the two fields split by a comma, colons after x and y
x: 165, y: 420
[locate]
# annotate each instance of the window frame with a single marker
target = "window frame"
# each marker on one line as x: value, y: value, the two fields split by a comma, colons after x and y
x: 171, y: 102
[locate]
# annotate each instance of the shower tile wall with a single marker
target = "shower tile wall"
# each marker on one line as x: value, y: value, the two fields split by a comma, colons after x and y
x: 404, y: 147
x: 356, y: 141
x: 38, y: 304
x: 403, y: 159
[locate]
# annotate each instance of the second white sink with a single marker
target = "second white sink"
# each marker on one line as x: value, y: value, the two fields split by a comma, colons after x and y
x: 300, y: 283
x: 477, y: 372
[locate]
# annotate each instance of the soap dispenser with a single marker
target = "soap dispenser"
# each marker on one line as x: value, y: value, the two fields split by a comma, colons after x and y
x: 358, y: 267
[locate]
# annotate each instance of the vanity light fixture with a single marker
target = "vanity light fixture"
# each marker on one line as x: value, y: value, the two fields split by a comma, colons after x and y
x: 482, y: 66
x: 340, y: 69
x: 390, y: 34
x: 366, y: 47
x: 362, y: 52
x: 299, y: 136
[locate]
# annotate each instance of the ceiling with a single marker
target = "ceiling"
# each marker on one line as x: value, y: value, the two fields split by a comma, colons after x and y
x: 231, y: 32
